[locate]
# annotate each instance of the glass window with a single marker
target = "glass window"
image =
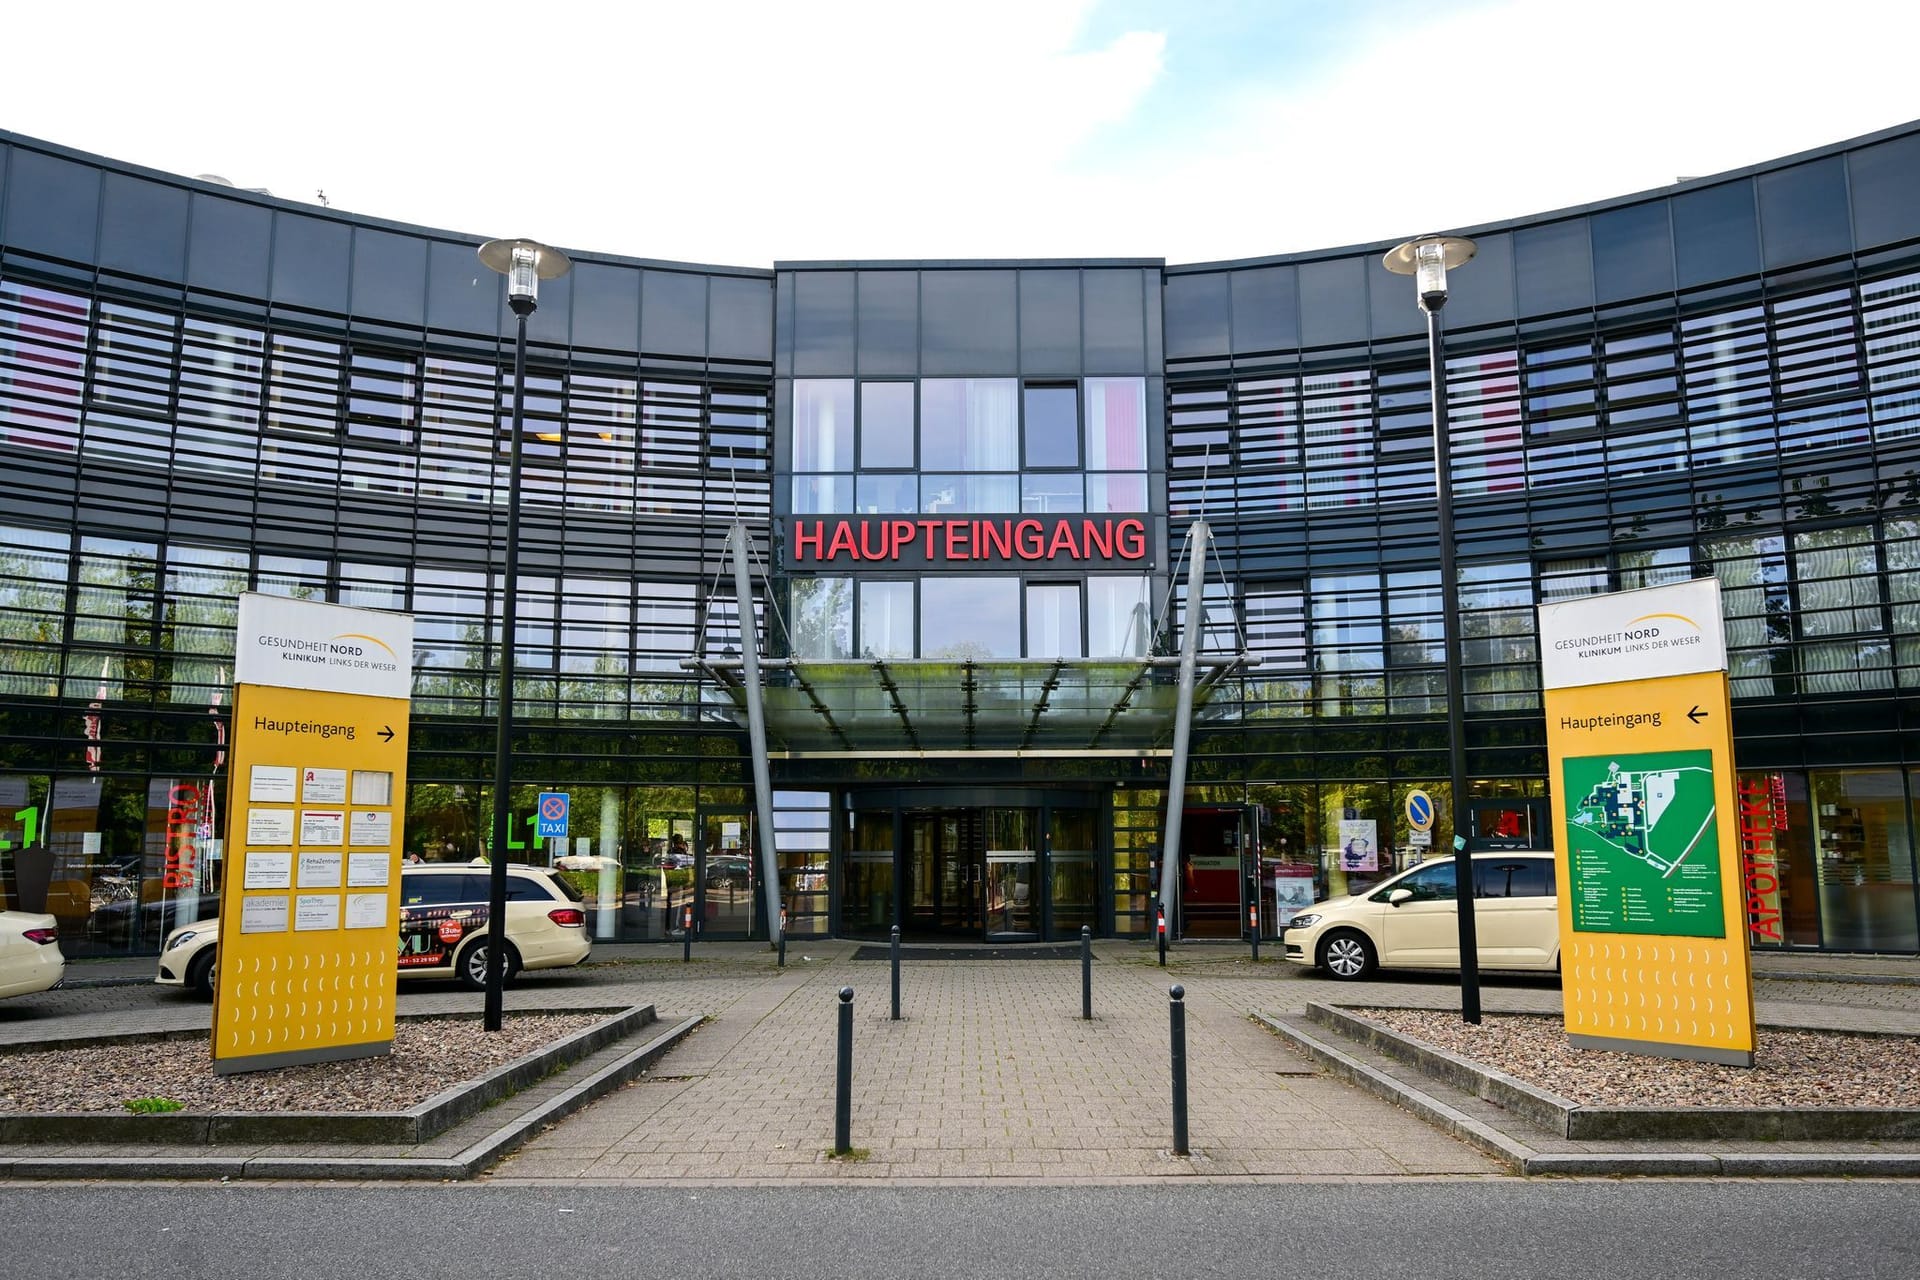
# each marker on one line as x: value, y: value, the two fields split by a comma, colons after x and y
x: 1571, y: 579
x: 969, y: 424
x: 1654, y: 567
x: 1053, y: 491
x: 1434, y: 882
x: 1348, y: 657
x: 889, y: 493
x: 886, y: 619
x: 1839, y: 576
x: 822, y: 618
x: 1890, y: 314
x: 1053, y: 427
x: 1864, y: 861
x: 1753, y: 597
x: 1497, y: 642
x: 1116, y: 424
x: 886, y: 425
x: 1119, y: 617
x: 1903, y: 589
x: 967, y: 494
x: 970, y: 617
x: 823, y: 424
x: 664, y: 625
x: 823, y: 495
x: 1512, y: 878
x: 1053, y: 620
x: 1122, y: 493
x: 1276, y: 622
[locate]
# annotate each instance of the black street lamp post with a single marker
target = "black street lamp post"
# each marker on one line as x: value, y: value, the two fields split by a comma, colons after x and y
x: 525, y: 263
x: 1427, y: 259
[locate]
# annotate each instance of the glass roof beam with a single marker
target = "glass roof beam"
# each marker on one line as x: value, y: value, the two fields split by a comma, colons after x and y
x: 892, y: 688
x: 1047, y: 687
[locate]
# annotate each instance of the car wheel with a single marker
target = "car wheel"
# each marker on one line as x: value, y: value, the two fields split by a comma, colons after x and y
x: 202, y: 973
x: 1347, y: 955
x: 472, y: 967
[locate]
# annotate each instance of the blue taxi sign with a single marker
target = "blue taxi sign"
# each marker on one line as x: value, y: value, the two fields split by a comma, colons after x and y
x: 553, y: 815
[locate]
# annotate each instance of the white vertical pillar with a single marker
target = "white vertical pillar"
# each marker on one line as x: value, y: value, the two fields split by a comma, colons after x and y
x: 610, y: 871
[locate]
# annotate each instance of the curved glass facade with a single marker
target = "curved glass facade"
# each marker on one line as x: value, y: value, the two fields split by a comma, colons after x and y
x: 206, y: 391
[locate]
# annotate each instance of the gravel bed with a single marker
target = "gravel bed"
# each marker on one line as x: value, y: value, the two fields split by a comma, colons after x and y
x: 429, y: 1055
x: 1790, y: 1069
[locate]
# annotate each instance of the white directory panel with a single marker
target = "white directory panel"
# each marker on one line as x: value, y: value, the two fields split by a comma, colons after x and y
x: 369, y: 870
x: 320, y: 870
x: 263, y: 914
x: 322, y: 826
x: 313, y: 911
x: 272, y: 784
x: 366, y: 910
x: 270, y: 826
x: 268, y: 870
x: 324, y: 786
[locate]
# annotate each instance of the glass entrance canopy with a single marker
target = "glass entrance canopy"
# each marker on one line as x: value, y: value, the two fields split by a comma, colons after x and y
x: 1008, y: 706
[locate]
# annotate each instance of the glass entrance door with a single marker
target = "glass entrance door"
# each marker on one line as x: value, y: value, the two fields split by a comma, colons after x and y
x: 1073, y: 870
x: 1012, y: 863
x: 725, y: 879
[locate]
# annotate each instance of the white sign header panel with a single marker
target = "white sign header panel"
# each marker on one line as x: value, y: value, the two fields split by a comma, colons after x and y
x: 305, y: 644
x: 1633, y: 635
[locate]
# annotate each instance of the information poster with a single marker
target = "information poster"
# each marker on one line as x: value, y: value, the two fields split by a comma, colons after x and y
x: 366, y: 910
x: 1359, y: 844
x: 1642, y: 844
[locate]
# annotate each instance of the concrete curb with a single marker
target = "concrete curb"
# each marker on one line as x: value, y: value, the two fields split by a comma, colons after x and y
x: 476, y: 1158
x: 415, y: 1124
x: 1524, y: 1160
x: 1569, y: 1119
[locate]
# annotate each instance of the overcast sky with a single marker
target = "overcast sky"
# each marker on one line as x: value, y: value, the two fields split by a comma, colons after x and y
x: 761, y: 130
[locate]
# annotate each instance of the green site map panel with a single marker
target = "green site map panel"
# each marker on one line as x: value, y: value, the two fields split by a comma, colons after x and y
x: 1643, y: 846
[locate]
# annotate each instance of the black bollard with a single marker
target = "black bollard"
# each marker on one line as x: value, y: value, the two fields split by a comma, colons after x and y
x: 1253, y: 926
x: 896, y: 973
x: 686, y: 935
x: 1177, y: 1022
x: 843, y: 1084
x: 1160, y: 927
x: 1086, y: 972
x: 783, y: 937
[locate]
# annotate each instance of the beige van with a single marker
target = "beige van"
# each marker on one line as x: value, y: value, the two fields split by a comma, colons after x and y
x: 1412, y: 921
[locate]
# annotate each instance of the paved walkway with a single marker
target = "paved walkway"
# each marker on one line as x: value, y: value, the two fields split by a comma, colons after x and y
x: 991, y: 1074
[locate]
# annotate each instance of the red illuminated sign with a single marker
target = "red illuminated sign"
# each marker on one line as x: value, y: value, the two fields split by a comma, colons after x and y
x: 847, y: 542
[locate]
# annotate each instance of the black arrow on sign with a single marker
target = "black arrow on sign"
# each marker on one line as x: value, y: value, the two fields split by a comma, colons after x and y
x: 1695, y: 715
x: 386, y: 733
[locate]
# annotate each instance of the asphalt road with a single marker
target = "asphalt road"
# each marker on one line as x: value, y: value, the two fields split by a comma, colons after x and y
x: 1369, y: 1231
